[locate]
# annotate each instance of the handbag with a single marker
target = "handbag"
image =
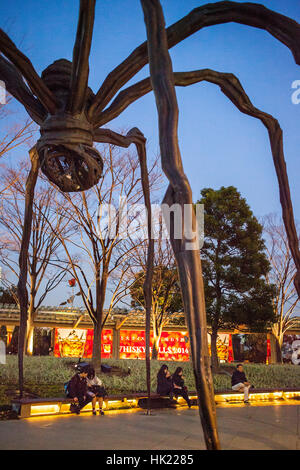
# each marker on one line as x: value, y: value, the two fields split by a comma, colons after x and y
x: 74, y: 408
x: 99, y: 390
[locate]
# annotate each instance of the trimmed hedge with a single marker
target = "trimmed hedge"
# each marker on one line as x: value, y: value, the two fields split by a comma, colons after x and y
x: 45, y: 376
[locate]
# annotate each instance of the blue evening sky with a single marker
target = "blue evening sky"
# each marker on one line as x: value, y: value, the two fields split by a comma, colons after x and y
x: 219, y: 145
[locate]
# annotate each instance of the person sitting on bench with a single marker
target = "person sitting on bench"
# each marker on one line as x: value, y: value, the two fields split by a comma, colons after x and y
x: 239, y: 382
x: 95, y: 390
x: 77, y: 389
x: 179, y: 389
x: 164, y: 382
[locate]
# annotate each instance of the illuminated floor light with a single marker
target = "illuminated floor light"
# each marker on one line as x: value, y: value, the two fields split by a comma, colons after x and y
x: 44, y: 409
x: 226, y: 399
x: 65, y: 408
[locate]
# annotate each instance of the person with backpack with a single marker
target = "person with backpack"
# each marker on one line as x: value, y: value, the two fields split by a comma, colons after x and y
x: 164, y: 382
x: 179, y: 389
x: 77, y: 389
x: 95, y: 390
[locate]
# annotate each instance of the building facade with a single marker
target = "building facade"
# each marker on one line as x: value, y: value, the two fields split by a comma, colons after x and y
x: 70, y: 334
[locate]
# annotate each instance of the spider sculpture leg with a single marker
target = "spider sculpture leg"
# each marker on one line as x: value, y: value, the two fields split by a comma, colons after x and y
x: 136, y: 137
x: 26, y: 234
x: 186, y: 248
x: 232, y: 88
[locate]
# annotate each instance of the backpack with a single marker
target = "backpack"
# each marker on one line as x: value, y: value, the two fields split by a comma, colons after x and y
x: 66, y: 387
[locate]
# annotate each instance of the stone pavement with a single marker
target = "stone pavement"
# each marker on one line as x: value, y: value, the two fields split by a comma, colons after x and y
x: 240, y: 427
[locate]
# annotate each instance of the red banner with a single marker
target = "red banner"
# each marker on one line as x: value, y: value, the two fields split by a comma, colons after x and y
x: 268, y: 351
x: 230, y: 350
x: 173, y: 345
x: 79, y: 343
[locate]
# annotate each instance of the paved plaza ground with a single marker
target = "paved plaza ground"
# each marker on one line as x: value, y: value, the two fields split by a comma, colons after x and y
x: 241, y: 427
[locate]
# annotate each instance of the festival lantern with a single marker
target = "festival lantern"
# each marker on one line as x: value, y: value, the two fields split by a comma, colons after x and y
x: 230, y: 350
x: 268, y: 351
x: 72, y: 282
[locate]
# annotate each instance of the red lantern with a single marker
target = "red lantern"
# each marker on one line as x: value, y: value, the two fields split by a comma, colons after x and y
x: 72, y: 282
x: 268, y: 351
x: 230, y: 350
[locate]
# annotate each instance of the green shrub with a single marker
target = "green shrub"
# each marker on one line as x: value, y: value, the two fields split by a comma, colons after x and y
x: 46, y: 375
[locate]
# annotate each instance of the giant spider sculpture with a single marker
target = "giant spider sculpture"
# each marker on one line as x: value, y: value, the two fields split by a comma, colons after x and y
x: 71, y: 117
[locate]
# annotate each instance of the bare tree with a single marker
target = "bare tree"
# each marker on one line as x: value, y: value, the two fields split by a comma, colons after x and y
x: 45, y: 270
x: 99, y: 252
x: 13, y: 136
x: 166, y: 293
x: 282, y: 275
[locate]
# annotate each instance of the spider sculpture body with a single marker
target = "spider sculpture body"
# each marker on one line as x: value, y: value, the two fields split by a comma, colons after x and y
x: 66, y: 153
x: 71, y: 117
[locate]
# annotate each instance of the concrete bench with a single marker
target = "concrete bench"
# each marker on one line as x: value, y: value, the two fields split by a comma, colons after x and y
x: 29, y: 407
x: 257, y: 394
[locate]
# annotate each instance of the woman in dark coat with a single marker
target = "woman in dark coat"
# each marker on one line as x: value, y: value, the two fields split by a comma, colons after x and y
x: 179, y: 389
x: 164, y: 381
x: 77, y: 390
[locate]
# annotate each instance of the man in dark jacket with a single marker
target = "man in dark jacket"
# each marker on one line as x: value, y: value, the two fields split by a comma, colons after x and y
x: 239, y: 382
x: 77, y: 389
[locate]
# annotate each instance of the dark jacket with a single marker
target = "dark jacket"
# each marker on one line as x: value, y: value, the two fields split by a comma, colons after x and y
x: 178, y: 380
x: 77, y: 387
x: 164, y: 384
x: 238, y: 377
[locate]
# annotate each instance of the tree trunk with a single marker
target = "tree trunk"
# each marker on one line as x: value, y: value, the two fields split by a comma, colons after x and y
x: 147, y: 344
x: 278, y: 351
x: 179, y: 191
x: 140, y: 143
x: 96, y: 358
x: 101, y: 283
x: 147, y: 287
x: 155, y: 347
x: 278, y: 335
x: 29, y: 338
x: 23, y: 260
x: 30, y: 328
x: 214, y: 352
